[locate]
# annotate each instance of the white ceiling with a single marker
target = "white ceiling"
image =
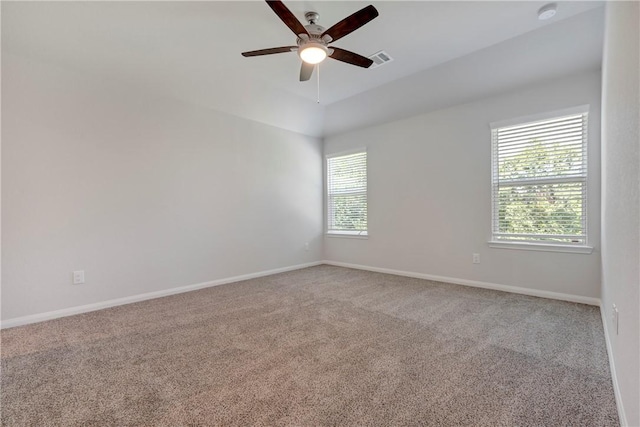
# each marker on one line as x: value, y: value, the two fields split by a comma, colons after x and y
x: 191, y: 50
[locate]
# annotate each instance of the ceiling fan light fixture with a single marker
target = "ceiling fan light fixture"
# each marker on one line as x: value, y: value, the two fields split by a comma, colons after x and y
x: 313, y: 53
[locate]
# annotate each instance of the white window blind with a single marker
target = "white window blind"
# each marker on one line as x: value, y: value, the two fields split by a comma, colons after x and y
x: 347, y: 194
x: 540, y: 181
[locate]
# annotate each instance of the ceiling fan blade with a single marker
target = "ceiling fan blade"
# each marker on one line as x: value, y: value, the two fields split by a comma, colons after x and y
x: 305, y: 71
x: 351, y: 23
x: 287, y: 17
x: 350, y: 57
x: 271, y: 51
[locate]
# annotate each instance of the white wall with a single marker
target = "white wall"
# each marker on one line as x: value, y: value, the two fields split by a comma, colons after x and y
x: 142, y: 193
x: 429, y: 179
x: 621, y: 197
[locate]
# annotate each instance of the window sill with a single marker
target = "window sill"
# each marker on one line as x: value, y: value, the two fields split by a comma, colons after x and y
x: 348, y: 235
x: 545, y: 247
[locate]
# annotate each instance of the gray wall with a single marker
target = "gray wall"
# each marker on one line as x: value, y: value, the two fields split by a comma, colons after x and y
x: 430, y: 194
x: 621, y: 197
x: 143, y: 193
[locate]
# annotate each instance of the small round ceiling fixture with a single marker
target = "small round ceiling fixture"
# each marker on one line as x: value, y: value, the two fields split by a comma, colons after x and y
x: 547, y: 11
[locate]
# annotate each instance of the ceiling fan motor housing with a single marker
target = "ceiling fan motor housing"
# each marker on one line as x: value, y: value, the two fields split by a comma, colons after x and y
x: 314, y: 29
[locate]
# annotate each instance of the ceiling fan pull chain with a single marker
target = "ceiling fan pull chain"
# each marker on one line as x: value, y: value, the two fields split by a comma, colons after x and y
x: 318, y: 79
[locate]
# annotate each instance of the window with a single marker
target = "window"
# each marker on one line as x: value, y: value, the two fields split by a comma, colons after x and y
x: 539, y: 180
x: 347, y: 194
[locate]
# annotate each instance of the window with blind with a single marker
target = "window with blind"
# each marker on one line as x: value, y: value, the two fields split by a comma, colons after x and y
x: 347, y: 194
x: 540, y: 180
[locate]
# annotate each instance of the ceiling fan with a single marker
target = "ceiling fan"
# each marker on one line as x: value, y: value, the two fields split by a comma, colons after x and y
x: 313, y: 40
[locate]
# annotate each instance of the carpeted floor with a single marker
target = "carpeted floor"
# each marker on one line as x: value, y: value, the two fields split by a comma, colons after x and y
x: 319, y: 346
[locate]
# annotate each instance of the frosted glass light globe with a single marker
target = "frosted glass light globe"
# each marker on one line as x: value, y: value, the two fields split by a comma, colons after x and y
x: 313, y: 54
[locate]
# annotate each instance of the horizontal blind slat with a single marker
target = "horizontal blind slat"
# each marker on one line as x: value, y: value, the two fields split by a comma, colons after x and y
x: 543, y: 136
x: 541, y: 123
x: 568, y: 124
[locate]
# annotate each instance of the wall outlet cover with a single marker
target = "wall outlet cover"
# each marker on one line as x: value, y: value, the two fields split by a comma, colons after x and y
x: 78, y: 277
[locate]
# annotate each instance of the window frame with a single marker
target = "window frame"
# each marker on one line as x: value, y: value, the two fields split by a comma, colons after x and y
x: 351, y: 234
x: 541, y: 245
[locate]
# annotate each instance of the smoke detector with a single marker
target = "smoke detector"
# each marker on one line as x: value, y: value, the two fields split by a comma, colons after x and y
x: 547, y: 11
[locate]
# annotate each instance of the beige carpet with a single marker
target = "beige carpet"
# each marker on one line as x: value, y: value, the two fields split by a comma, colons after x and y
x: 319, y: 346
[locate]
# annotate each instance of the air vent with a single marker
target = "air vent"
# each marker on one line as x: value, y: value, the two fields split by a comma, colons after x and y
x: 380, y: 58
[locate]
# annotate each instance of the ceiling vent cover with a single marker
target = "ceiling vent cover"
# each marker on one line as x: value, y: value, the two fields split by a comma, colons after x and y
x: 380, y: 58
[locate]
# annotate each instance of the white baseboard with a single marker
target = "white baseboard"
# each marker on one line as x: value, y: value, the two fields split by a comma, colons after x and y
x: 612, y: 366
x: 40, y: 317
x: 474, y: 283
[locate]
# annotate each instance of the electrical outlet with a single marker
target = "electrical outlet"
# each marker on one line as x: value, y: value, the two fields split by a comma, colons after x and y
x: 306, y: 246
x: 78, y: 277
x: 476, y: 258
x: 615, y: 318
